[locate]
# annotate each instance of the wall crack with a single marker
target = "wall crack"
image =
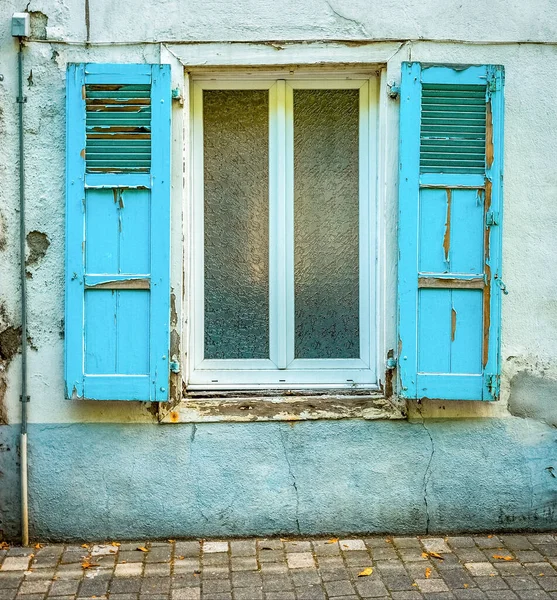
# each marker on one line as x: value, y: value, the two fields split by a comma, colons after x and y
x: 348, y: 19
x: 294, y: 482
x: 427, y: 472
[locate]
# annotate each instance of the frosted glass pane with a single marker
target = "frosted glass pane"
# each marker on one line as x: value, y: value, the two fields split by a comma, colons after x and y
x: 326, y: 261
x: 236, y: 157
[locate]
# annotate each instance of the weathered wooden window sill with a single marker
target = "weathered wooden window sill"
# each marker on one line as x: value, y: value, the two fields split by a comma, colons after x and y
x: 207, y: 407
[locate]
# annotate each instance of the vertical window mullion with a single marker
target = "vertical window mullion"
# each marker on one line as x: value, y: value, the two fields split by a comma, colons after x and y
x: 277, y: 225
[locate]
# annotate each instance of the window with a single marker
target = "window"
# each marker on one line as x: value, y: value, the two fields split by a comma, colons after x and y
x: 283, y: 239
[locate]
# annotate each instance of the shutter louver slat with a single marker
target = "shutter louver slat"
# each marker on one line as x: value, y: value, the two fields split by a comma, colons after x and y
x: 118, y: 120
x: 452, y: 129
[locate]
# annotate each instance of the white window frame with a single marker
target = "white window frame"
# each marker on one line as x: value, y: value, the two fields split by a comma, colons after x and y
x: 300, y: 373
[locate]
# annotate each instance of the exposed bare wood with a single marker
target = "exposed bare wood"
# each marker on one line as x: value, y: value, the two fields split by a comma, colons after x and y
x: 477, y: 283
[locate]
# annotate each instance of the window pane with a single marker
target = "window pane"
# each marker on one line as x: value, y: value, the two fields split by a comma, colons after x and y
x: 326, y: 258
x: 236, y: 165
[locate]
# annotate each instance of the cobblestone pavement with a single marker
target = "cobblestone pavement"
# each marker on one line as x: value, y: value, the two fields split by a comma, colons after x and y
x: 401, y: 568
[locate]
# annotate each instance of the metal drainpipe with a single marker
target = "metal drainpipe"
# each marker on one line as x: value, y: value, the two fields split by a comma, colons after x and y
x: 24, y: 396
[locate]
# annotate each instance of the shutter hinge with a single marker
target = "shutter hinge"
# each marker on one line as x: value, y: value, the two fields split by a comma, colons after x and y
x: 492, y: 383
x: 175, y: 366
x: 501, y: 284
x: 393, y: 90
x: 492, y: 218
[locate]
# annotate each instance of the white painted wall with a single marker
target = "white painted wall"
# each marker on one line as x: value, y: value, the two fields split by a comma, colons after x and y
x: 530, y: 192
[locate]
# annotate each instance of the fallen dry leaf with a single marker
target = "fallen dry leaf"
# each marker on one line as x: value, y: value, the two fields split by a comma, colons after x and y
x: 4, y: 546
x: 465, y: 585
x: 171, y: 541
x: 332, y: 541
x: 501, y: 557
x: 88, y: 565
x: 142, y: 548
x: 85, y: 545
x: 433, y: 554
x: 428, y: 573
x: 115, y: 544
x: 366, y: 572
x: 181, y: 557
x: 489, y: 536
x: 415, y: 584
x: 38, y: 546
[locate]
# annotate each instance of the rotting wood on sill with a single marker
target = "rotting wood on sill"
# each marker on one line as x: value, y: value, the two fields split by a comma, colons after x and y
x: 283, y: 405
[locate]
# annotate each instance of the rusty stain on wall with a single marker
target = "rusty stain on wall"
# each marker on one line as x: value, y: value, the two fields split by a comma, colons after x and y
x: 447, y: 236
x: 487, y: 288
x: 3, y: 236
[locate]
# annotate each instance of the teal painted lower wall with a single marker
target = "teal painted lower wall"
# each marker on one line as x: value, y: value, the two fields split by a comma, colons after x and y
x: 99, y: 481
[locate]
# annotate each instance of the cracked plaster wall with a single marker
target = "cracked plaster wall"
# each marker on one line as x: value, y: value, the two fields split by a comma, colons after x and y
x: 529, y: 335
x: 110, y: 481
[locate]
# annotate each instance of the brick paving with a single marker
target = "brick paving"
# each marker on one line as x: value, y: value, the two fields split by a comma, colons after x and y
x: 491, y: 567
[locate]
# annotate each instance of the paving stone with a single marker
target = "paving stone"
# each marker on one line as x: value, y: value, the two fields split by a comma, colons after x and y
x: 270, y: 556
x: 248, y: 593
x: 385, y: 553
x: 220, y: 572
x: 533, y: 595
x: 457, y: 578
x: 189, y: 549
x: 212, y: 547
x: 277, y: 584
x: 93, y: 587
x: 418, y: 570
x: 128, y: 570
x: 15, y: 563
x: 186, y: 594
x: 155, y: 585
x: 510, y: 569
x: 528, y: 556
x: 413, y: 595
x: 34, y: 574
x: 432, y: 585
x: 297, y: 546
x: 488, y: 541
x: 269, y: 544
x: 541, y: 538
x: 481, y: 569
x: 501, y: 595
x: 20, y: 551
x: 338, y: 588
x: 435, y: 545
x: 491, y: 583
x: 412, y: 554
x: 34, y: 587
x: 157, y: 570
x: 461, y: 541
x: 406, y: 542
x: 357, y: 559
x: 310, y: 592
x: 300, y: 560
x: 304, y: 577
x: 69, y: 572
x: 470, y: 554
x: 100, y: 550
x: 521, y: 583
x: 280, y: 596
x: 325, y: 547
x: 125, y: 585
x: 517, y: 542
x: 469, y: 594
x: 549, y: 584
x: 215, y: 586
x: 276, y: 568
x: 243, y: 547
x: 347, y: 545
x: 243, y: 563
x: 8, y: 594
x: 371, y: 588
x: 246, y: 579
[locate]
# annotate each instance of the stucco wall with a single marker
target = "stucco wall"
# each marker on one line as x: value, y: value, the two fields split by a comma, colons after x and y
x: 525, y: 446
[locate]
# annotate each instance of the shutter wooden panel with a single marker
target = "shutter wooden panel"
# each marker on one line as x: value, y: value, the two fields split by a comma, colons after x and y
x: 118, y: 232
x: 451, y: 136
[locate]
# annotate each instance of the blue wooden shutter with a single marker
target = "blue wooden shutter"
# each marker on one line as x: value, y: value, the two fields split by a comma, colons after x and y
x: 117, y: 231
x: 451, y: 134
